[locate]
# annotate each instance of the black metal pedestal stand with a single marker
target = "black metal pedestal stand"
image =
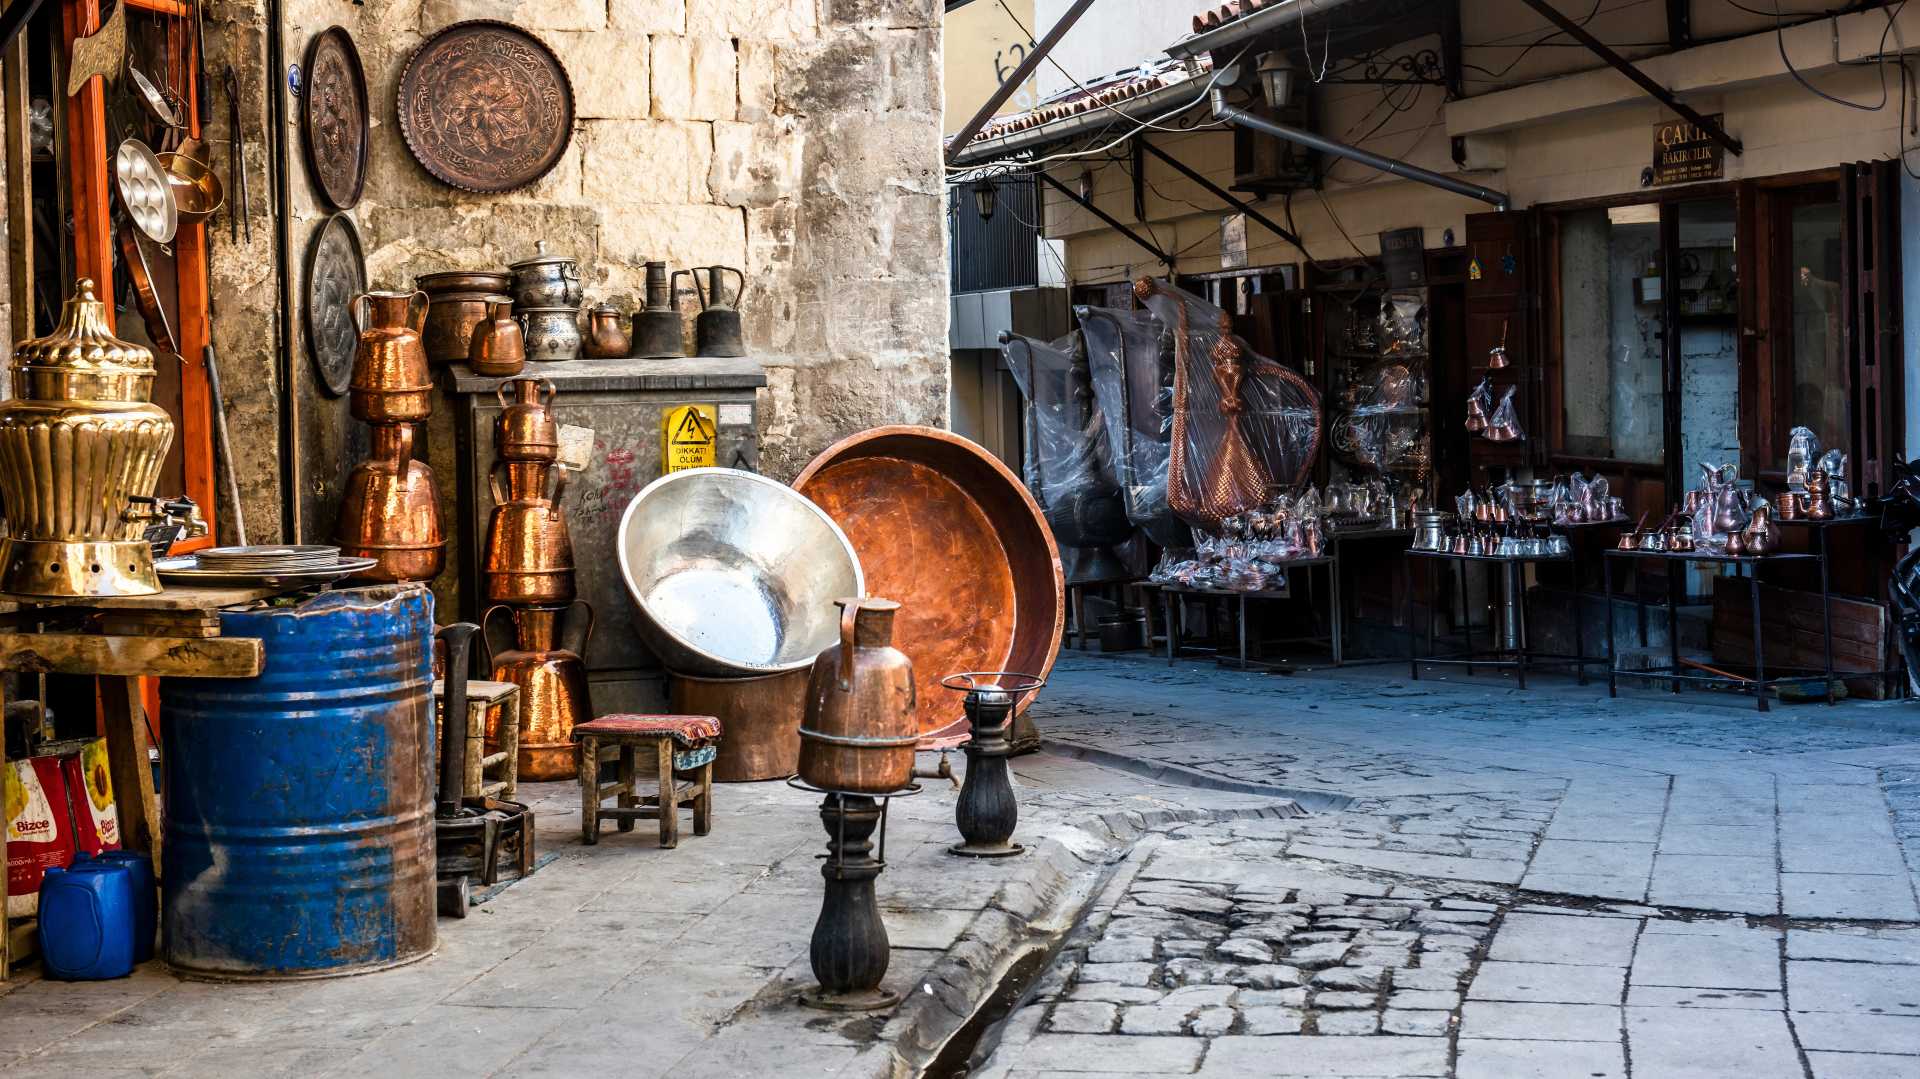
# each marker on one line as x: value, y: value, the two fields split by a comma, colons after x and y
x: 987, y: 812
x: 849, y: 950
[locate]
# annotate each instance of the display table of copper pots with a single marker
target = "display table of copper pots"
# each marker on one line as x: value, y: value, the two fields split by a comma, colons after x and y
x: 941, y: 525
x: 391, y: 512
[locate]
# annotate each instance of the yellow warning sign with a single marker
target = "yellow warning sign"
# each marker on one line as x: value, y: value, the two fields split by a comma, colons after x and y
x: 687, y: 436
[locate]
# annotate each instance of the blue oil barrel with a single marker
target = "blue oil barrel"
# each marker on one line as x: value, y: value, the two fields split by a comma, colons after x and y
x: 86, y: 921
x: 298, y: 804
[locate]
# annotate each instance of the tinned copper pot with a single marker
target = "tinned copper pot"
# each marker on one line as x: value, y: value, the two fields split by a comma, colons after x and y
x: 606, y: 337
x: 1786, y: 506
x: 859, y: 732
x: 391, y: 380
x: 498, y: 347
x: 457, y: 300
x: 391, y: 512
x: 529, y: 555
x: 542, y: 657
x: 525, y: 429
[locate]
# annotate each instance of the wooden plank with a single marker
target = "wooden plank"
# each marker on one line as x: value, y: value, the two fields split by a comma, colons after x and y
x: 127, y: 760
x: 91, y: 198
x: 160, y: 623
x: 19, y: 158
x: 160, y: 657
x: 170, y: 599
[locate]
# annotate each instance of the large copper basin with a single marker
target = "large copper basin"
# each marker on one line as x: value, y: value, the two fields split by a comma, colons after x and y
x: 732, y: 574
x: 943, y: 527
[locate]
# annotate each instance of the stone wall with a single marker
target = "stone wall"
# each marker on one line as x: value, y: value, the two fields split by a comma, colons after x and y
x: 796, y: 139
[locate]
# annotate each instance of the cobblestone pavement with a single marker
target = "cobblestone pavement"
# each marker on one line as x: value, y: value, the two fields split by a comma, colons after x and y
x: 1524, y: 885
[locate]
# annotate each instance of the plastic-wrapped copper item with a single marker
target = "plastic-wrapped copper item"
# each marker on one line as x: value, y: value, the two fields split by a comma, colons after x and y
x: 1243, y: 425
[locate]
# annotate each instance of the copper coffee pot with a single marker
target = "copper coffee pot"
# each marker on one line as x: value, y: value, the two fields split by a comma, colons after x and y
x: 526, y: 430
x: 1786, y: 506
x: 391, y: 380
x: 1476, y: 414
x: 1819, y: 496
x: 1497, y: 356
x: 1760, y: 537
x: 542, y: 657
x: 606, y: 338
x: 529, y: 554
x: 391, y: 511
x: 499, y: 346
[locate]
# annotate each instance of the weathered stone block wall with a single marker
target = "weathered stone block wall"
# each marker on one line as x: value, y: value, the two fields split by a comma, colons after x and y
x: 796, y: 139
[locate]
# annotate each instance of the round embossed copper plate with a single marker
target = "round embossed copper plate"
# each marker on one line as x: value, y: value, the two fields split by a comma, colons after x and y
x: 486, y: 106
x: 333, y: 118
x: 336, y: 273
x: 944, y: 528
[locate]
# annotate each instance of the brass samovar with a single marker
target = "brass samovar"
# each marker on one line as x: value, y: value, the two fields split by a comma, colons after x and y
x: 81, y: 446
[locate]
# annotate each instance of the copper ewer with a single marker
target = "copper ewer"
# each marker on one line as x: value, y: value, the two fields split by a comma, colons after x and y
x: 391, y: 511
x: 79, y: 445
x: 458, y: 300
x: 525, y: 429
x: 606, y: 337
x: 391, y: 380
x: 544, y: 661
x: 499, y: 346
x: 859, y: 733
x: 529, y: 555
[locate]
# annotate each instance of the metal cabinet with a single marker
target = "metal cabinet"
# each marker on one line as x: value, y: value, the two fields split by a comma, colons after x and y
x: 625, y: 402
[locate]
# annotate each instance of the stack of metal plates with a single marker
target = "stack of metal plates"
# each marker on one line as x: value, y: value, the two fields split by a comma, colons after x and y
x: 287, y: 564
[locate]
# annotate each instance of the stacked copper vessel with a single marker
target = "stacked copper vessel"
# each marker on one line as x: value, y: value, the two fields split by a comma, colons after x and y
x: 528, y: 570
x: 80, y: 448
x: 391, y: 512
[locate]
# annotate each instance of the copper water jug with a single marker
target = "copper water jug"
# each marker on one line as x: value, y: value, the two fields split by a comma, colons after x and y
x: 529, y: 555
x: 606, y: 336
x: 526, y: 430
x: 859, y: 733
x: 1819, y: 496
x: 391, y: 380
x: 1760, y: 535
x: 542, y: 657
x: 499, y: 347
x: 391, y: 511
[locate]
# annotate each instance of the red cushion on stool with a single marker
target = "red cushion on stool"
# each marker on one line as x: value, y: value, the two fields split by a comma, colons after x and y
x: 686, y: 730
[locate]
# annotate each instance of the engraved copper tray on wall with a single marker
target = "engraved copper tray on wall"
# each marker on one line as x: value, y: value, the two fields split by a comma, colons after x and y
x: 947, y: 530
x: 333, y: 118
x: 486, y: 106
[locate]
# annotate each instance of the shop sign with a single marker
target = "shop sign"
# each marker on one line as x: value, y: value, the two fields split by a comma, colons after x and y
x: 1233, y: 241
x: 1684, y: 153
x: 687, y: 436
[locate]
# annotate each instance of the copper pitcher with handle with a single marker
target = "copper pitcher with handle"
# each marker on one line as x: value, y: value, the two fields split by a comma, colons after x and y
x: 526, y: 429
x: 859, y: 733
x: 391, y: 512
x: 499, y: 345
x: 542, y: 656
x: 528, y: 556
x: 391, y: 380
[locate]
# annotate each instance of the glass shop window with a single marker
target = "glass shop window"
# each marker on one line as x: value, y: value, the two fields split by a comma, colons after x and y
x: 1819, y: 397
x: 1612, y: 325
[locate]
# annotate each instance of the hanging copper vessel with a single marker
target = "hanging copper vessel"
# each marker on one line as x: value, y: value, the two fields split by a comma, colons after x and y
x: 543, y: 659
x: 859, y: 732
x: 79, y: 444
x: 525, y: 429
x: 391, y: 380
x: 391, y: 512
x: 529, y: 555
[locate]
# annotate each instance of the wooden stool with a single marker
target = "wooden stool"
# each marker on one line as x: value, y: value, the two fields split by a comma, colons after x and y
x: 495, y: 774
x: 653, y: 747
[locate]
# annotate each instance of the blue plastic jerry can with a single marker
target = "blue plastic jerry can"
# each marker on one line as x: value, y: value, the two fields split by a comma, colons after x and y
x: 86, y: 921
x: 146, y: 899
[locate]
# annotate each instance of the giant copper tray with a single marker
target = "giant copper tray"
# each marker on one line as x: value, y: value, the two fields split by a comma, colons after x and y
x: 947, y: 530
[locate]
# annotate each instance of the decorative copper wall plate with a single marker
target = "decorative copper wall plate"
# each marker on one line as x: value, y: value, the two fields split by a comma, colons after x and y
x: 485, y: 106
x: 333, y: 118
x: 944, y: 528
x: 336, y: 273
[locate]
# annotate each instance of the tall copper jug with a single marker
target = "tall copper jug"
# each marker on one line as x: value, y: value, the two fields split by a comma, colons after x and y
x: 391, y: 511
x: 542, y: 657
x: 79, y: 444
x: 859, y: 733
x: 391, y: 380
x: 529, y: 554
x: 526, y: 430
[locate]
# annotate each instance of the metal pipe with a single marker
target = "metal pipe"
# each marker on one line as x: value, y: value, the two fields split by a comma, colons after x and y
x: 1243, y: 118
x: 1013, y: 82
x: 1268, y: 18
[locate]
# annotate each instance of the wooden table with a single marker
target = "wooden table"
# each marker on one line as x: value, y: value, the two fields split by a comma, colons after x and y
x: 119, y: 641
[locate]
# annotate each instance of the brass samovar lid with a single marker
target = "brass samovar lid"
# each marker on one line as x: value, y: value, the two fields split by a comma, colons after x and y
x: 81, y: 359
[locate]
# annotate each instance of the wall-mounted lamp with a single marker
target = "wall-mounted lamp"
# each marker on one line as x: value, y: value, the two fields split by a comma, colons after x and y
x: 985, y: 193
x: 1086, y: 185
x: 1276, y: 74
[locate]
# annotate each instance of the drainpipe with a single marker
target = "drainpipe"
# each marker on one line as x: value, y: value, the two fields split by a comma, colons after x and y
x: 1243, y: 118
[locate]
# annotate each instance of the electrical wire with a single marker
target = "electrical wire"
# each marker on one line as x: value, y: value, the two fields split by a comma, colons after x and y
x: 1536, y: 43
x: 1880, y: 57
